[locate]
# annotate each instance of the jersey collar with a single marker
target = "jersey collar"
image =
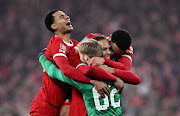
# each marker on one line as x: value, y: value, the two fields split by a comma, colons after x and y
x: 69, y: 44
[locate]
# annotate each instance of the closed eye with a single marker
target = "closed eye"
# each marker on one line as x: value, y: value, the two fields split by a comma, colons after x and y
x: 110, y: 48
x: 61, y: 16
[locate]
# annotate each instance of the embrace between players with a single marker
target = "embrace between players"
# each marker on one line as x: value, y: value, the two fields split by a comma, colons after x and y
x: 97, y: 69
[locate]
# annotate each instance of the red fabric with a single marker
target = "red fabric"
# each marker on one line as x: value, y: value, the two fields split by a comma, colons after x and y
x: 39, y: 107
x: 90, y: 71
x: 127, y: 76
x: 67, y: 102
x: 117, y: 65
x: 53, y: 91
x: 96, y: 73
x: 58, y: 46
x: 74, y: 58
x: 126, y: 63
x: 92, y: 35
x: 77, y: 104
x: 70, y: 71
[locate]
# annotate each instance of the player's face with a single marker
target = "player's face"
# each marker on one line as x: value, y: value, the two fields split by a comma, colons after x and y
x: 116, y: 49
x: 107, y: 50
x: 62, y: 22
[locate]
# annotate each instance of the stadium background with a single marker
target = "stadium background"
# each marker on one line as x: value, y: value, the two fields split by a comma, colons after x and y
x: 154, y: 25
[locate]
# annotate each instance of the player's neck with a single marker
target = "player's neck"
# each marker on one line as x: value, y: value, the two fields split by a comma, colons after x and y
x: 65, y: 37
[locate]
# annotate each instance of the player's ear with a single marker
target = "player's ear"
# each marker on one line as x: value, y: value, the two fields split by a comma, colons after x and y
x: 54, y: 26
x: 86, y: 58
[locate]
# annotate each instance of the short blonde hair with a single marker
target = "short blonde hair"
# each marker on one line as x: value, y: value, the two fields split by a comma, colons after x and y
x: 91, y: 48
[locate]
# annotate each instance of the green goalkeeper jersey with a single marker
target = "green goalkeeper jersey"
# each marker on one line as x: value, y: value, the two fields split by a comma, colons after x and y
x: 95, y: 104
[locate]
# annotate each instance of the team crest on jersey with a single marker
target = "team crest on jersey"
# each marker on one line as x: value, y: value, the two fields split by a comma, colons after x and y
x: 62, y: 48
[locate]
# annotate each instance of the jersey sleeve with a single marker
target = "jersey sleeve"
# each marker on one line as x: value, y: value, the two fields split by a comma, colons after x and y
x: 127, y: 76
x: 56, y: 73
x: 74, y: 58
x: 96, y: 73
x: 60, y: 54
x: 70, y: 71
x: 124, y: 63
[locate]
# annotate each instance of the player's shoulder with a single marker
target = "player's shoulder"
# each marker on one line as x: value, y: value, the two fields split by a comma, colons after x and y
x: 55, y: 39
x: 74, y: 41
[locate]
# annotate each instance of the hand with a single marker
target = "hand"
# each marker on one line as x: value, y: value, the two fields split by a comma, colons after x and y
x: 106, y: 68
x: 41, y: 53
x: 95, y: 61
x: 101, y: 87
x: 119, y: 85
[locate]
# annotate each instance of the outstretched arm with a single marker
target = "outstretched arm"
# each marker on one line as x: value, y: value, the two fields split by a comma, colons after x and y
x: 56, y: 73
x: 126, y: 76
x: 96, y: 73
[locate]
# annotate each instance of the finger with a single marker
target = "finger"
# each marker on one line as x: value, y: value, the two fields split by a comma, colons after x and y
x: 91, y: 61
x: 101, y: 92
x: 106, y: 91
x: 94, y: 63
x: 118, y: 91
x: 122, y: 89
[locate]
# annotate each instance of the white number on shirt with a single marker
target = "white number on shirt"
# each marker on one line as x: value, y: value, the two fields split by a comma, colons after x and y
x: 97, y: 96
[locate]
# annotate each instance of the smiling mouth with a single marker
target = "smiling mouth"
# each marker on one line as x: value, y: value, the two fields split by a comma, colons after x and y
x: 68, y: 23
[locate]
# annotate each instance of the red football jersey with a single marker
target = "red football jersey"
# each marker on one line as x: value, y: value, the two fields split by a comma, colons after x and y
x: 54, y: 91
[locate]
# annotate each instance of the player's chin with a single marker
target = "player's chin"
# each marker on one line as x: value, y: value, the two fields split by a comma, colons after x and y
x: 70, y: 28
x: 108, y: 57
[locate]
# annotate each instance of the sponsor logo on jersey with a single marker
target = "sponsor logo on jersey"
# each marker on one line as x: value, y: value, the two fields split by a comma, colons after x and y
x: 62, y: 48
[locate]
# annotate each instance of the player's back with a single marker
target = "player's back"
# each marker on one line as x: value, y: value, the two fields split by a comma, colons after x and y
x: 98, y: 106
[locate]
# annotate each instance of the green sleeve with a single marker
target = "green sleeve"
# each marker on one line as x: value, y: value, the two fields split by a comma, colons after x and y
x: 56, y: 73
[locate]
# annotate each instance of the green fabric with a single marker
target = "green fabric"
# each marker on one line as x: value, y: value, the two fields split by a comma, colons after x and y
x: 95, y: 104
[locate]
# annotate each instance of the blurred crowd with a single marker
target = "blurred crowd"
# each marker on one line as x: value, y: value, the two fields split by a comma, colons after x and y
x: 153, y: 24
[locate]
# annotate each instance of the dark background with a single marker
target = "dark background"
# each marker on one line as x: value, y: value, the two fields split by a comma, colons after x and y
x: 153, y: 24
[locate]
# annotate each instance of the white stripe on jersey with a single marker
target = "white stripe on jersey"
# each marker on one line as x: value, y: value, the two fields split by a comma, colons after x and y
x: 69, y: 44
x: 59, y: 54
x: 127, y: 56
x: 80, y: 65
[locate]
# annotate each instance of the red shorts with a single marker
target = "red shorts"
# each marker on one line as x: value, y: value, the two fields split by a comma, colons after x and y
x: 77, y: 104
x: 39, y: 107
